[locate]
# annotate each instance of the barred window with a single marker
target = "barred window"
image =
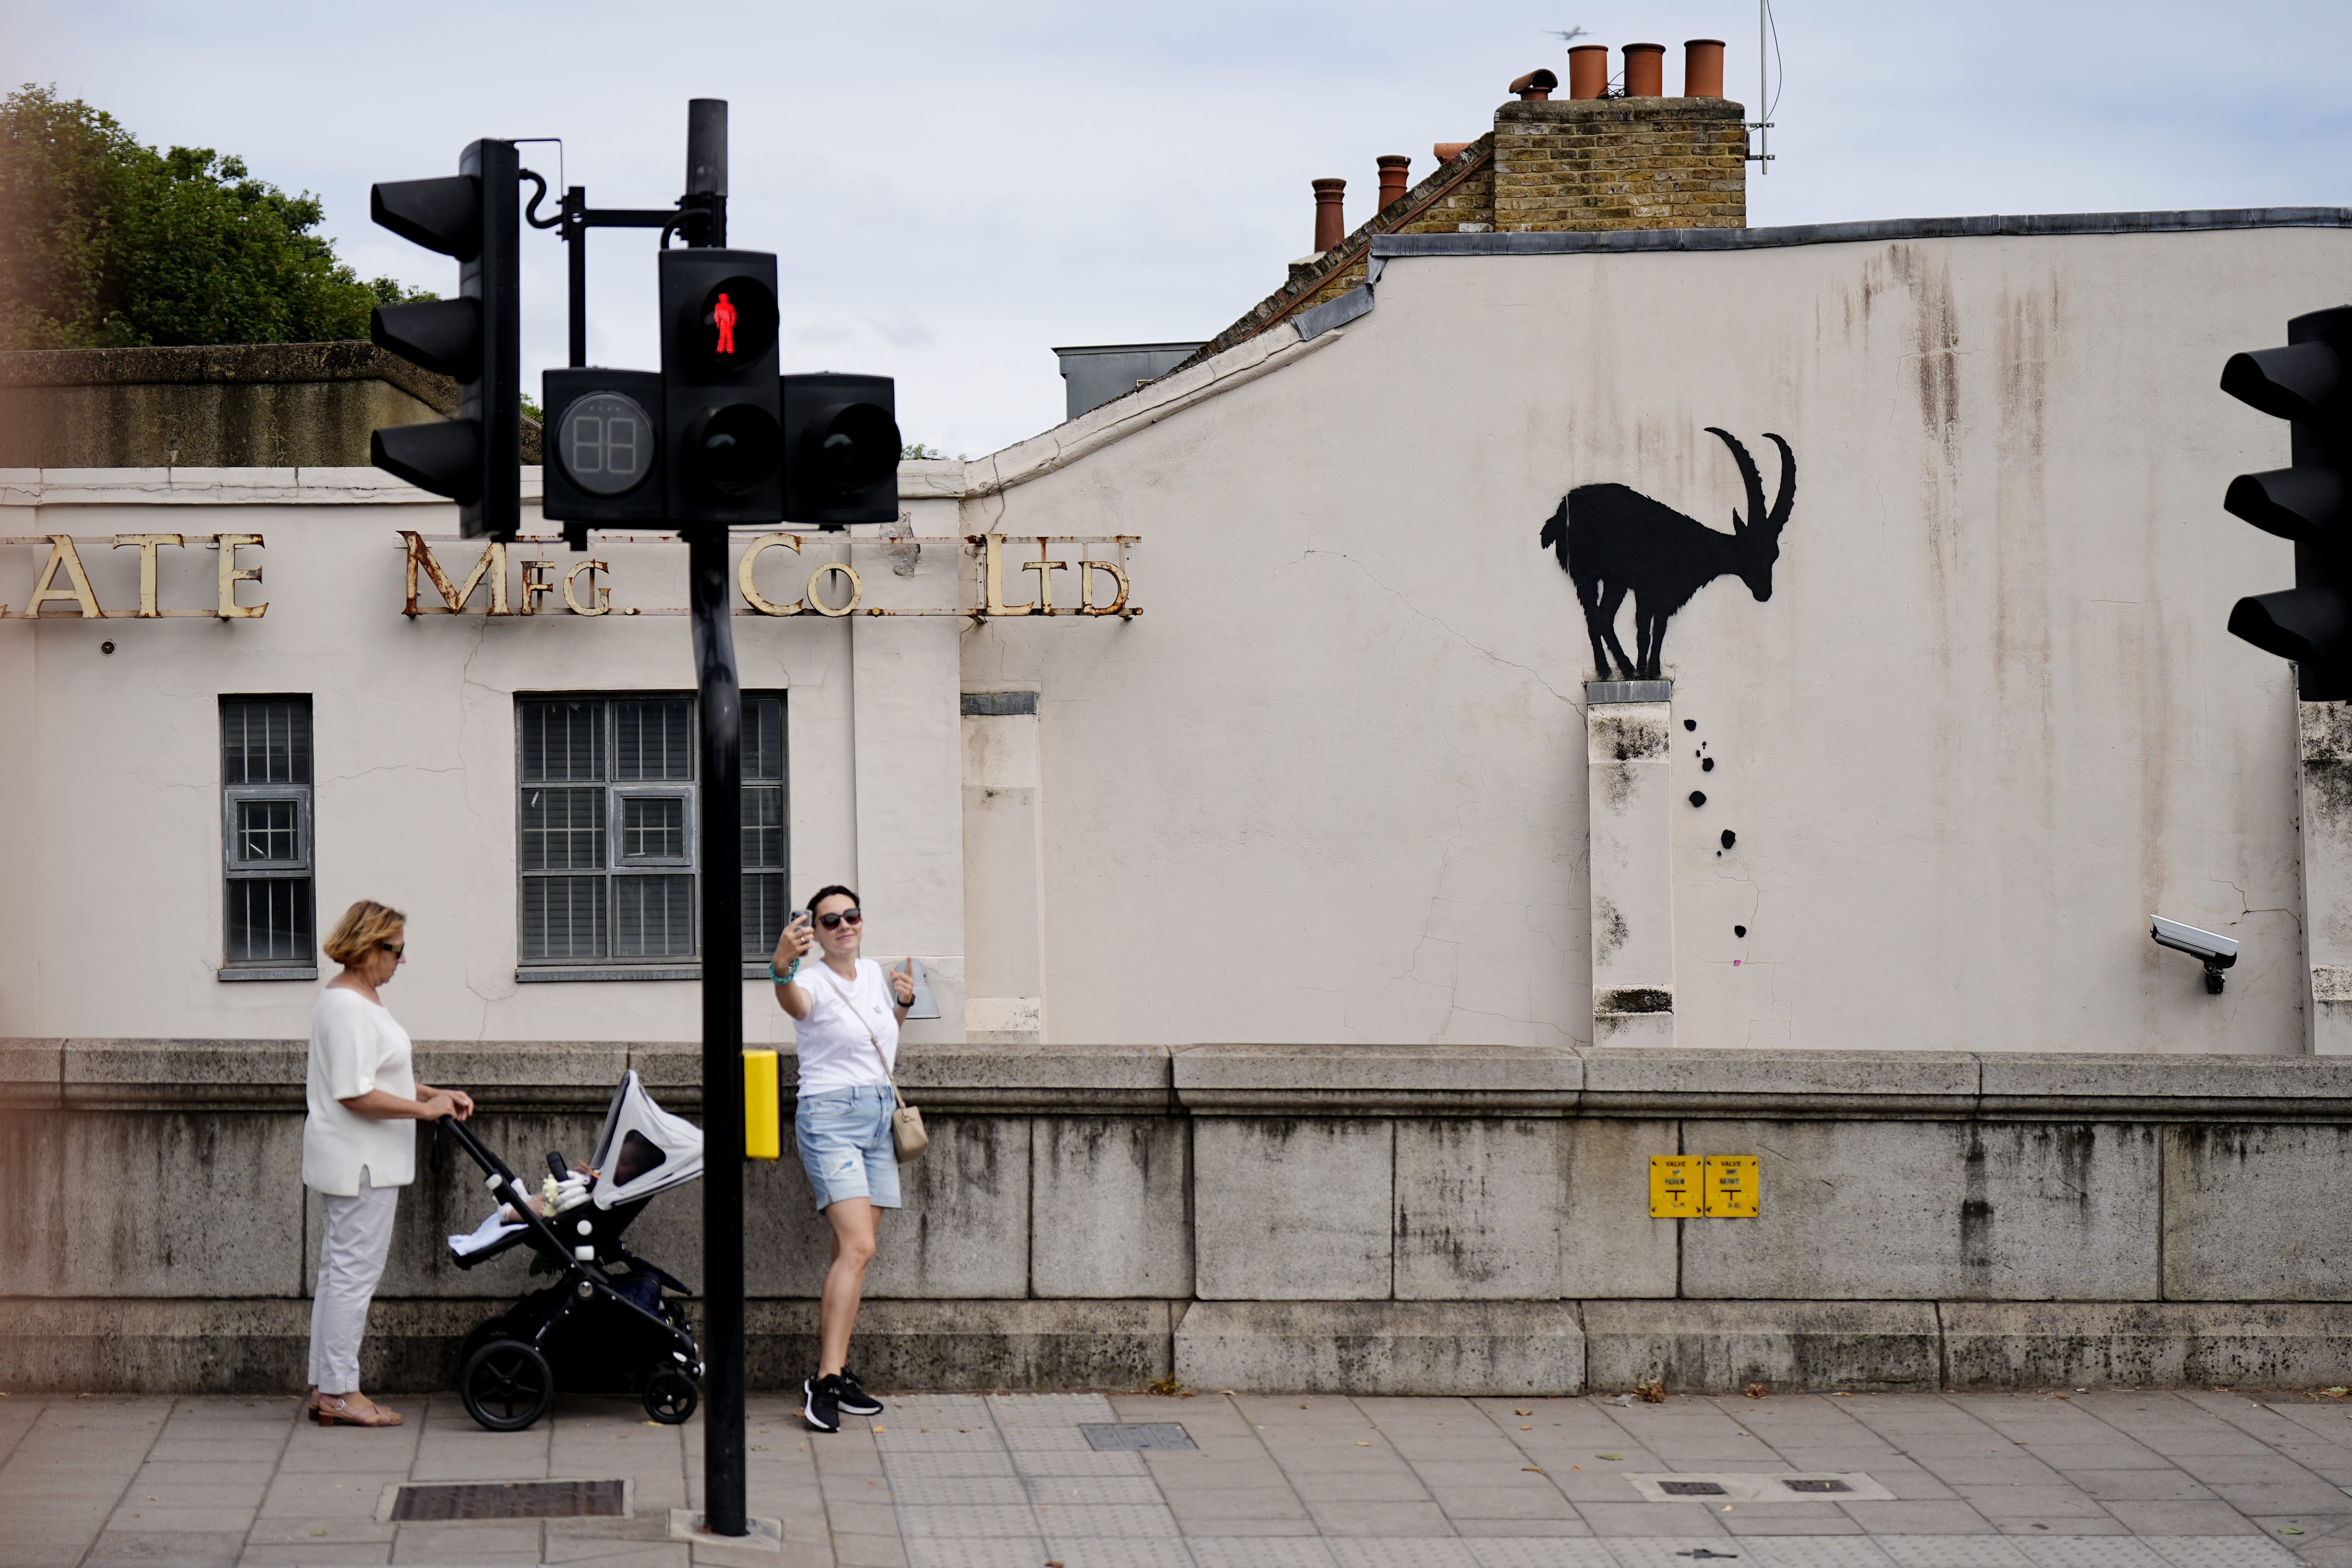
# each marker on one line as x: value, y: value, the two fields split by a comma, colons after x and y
x: 607, y: 792
x: 268, y: 925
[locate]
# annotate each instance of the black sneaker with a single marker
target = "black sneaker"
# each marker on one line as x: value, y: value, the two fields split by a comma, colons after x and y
x: 853, y: 1400
x: 819, y: 1407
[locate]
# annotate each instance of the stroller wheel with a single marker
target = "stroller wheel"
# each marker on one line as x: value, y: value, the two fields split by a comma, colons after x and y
x: 506, y: 1386
x: 671, y: 1396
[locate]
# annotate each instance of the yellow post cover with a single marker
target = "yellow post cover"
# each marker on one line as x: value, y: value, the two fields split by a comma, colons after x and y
x: 763, y: 1136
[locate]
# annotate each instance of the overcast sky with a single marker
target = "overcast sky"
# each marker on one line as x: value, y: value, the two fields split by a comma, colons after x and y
x: 954, y: 189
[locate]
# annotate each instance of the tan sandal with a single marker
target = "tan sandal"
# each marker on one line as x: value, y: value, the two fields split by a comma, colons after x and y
x: 332, y: 1412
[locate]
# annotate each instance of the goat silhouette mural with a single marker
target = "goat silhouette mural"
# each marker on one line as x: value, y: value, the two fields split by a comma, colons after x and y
x: 1613, y: 540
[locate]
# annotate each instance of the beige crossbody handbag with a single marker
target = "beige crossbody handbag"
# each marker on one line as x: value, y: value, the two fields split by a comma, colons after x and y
x: 906, y: 1135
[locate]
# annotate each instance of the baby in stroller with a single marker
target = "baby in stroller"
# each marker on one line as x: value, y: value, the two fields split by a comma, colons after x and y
x: 610, y: 1320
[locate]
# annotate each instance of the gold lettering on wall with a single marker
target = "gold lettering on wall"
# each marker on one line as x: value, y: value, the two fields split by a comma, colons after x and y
x: 534, y: 580
x: 751, y: 595
x: 63, y: 554
x: 493, y: 564
x: 857, y: 588
x: 1044, y: 570
x: 231, y: 574
x: 992, y: 552
x: 1087, y: 570
x: 147, y: 543
x: 601, y: 594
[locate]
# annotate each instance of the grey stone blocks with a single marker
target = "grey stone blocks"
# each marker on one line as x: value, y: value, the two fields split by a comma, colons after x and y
x: 1415, y: 1218
x: 1387, y: 1347
x: 1966, y: 1210
x: 1293, y: 1207
x: 1786, y: 1345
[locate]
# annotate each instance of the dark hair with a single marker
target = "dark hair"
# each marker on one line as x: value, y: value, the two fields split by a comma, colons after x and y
x: 828, y: 890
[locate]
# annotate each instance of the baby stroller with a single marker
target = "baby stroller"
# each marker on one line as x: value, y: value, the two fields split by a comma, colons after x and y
x: 607, y: 1324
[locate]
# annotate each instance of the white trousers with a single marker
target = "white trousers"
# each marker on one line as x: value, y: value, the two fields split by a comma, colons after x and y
x: 351, y: 1261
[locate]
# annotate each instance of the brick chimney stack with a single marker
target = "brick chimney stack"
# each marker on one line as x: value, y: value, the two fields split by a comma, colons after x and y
x: 1642, y: 161
x: 1330, y: 226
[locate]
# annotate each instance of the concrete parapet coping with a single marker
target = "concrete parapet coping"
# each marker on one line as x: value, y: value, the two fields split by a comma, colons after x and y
x: 1246, y: 1079
x: 1391, y: 247
x: 1237, y: 1080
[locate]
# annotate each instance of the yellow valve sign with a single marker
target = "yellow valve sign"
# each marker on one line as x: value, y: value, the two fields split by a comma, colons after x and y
x: 763, y: 1137
x: 1694, y: 1186
x: 1676, y: 1184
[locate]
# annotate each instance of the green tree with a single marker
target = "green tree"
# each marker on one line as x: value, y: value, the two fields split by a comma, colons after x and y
x: 107, y: 243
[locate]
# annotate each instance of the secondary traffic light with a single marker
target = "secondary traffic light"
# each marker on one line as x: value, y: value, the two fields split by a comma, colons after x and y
x: 840, y: 450
x: 603, y: 446
x: 2309, y: 384
x: 722, y: 442
x: 476, y: 459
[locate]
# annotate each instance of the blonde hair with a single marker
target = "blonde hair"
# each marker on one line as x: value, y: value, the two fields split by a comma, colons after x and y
x: 365, y: 926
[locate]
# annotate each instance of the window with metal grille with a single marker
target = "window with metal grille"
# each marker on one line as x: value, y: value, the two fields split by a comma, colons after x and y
x: 269, y: 922
x: 608, y: 852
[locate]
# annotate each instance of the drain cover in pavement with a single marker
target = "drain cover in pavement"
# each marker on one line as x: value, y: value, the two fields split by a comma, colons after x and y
x: 1691, y: 1488
x: 1104, y: 1437
x: 1814, y: 1484
x: 510, y: 1500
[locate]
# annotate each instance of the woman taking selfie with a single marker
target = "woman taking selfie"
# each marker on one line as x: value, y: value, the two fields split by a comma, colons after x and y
x: 845, y: 1012
x: 359, y: 1149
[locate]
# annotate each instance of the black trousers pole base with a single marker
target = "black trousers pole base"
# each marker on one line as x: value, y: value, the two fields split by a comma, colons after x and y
x: 692, y: 1524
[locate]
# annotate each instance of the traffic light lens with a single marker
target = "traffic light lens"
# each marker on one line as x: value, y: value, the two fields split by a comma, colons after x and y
x: 857, y: 445
x: 605, y: 442
x: 738, y: 323
x: 736, y: 448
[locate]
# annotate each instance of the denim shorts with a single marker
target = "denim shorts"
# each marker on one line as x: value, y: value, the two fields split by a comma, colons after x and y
x: 845, y: 1141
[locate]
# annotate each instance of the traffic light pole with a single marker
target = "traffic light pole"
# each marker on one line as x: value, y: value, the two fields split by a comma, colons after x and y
x: 725, y: 1507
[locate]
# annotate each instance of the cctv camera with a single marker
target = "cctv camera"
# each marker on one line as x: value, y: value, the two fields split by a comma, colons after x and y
x: 2216, y: 953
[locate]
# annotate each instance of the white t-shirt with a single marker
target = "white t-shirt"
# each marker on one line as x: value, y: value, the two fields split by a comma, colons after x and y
x: 835, y: 1050
x: 356, y: 1046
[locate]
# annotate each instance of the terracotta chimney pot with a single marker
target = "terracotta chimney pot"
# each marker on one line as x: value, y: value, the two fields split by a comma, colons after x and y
x: 1646, y: 70
x: 1330, y: 227
x: 1392, y: 176
x: 1535, y: 86
x: 1447, y: 152
x: 1588, y: 70
x: 1702, y: 68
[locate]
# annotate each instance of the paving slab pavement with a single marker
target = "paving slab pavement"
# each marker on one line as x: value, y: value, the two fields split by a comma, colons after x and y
x: 2203, y: 1479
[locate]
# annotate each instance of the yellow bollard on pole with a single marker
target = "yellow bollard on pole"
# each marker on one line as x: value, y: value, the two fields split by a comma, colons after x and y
x: 762, y: 1117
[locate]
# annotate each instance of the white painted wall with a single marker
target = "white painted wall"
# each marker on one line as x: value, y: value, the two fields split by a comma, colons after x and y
x: 1331, y: 784
x: 116, y: 882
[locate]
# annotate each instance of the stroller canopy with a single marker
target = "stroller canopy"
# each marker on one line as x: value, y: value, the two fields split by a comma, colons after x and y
x: 644, y: 1149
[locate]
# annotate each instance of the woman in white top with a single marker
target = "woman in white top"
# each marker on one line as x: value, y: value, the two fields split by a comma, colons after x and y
x: 845, y: 1013
x: 359, y: 1149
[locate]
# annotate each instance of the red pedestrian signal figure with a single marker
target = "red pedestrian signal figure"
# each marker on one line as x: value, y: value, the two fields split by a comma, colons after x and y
x: 725, y: 316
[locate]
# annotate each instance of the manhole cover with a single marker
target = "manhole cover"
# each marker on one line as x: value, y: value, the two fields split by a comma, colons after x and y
x: 1691, y: 1488
x: 1128, y: 1437
x: 510, y: 1500
x: 1814, y: 1484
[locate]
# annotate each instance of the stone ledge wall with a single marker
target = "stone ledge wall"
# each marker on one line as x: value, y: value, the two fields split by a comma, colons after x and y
x: 1381, y: 1219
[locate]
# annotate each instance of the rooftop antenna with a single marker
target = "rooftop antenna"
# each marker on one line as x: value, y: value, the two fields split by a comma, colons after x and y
x: 1766, y: 29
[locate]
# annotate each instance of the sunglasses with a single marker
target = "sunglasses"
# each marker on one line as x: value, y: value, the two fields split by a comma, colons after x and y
x: 846, y: 917
x: 393, y: 948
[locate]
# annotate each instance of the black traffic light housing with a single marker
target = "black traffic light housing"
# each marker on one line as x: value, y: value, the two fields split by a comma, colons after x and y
x: 604, y: 444
x: 722, y: 442
x: 2309, y: 384
x: 840, y: 450
x: 476, y: 338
